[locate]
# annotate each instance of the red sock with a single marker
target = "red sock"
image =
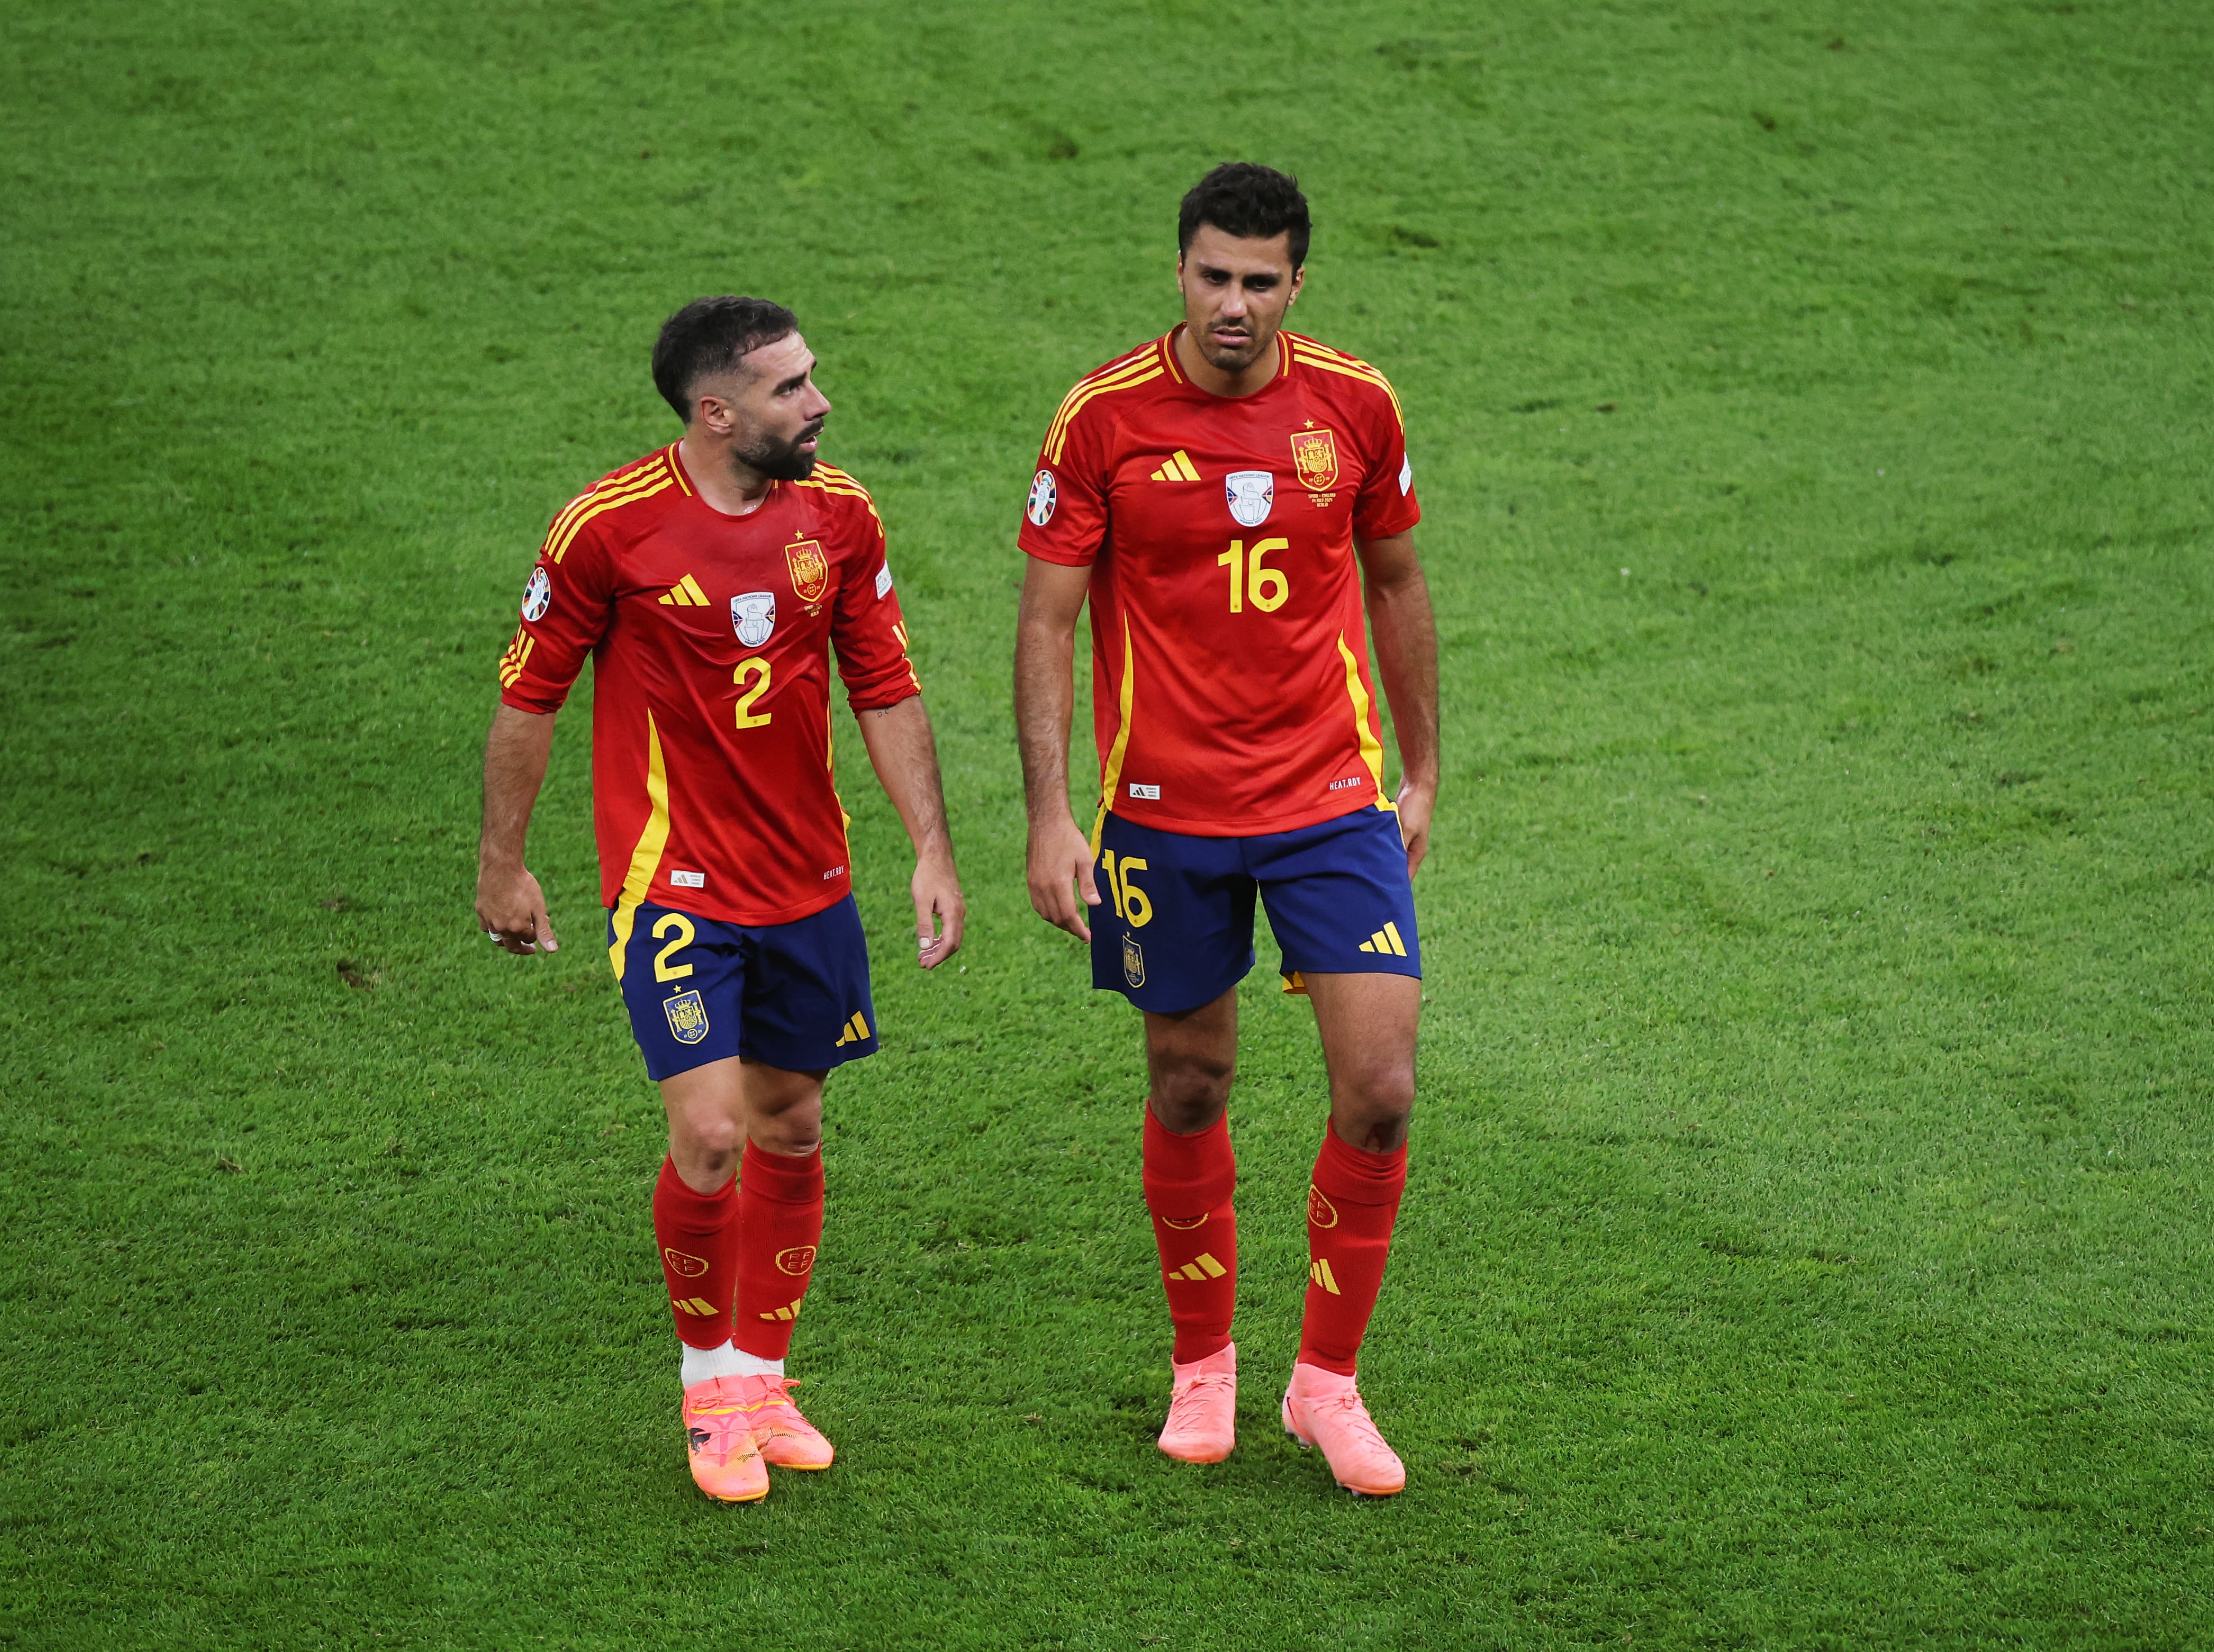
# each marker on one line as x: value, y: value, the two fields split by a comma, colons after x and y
x: 1350, y: 1210
x: 780, y: 1223
x: 1188, y: 1181
x: 697, y: 1234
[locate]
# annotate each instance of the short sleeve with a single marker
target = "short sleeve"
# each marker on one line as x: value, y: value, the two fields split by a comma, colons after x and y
x: 1387, y: 504
x: 866, y: 626
x: 1065, y: 519
x: 567, y: 603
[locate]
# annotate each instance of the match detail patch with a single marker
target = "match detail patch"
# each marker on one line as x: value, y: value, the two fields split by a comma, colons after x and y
x: 753, y: 616
x: 1251, y: 495
x: 688, y: 880
x: 1149, y: 794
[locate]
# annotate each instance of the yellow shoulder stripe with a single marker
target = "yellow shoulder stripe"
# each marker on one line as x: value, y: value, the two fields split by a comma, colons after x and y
x: 643, y: 489
x: 1351, y: 368
x: 1133, y: 368
x: 1056, y: 439
x: 653, y: 464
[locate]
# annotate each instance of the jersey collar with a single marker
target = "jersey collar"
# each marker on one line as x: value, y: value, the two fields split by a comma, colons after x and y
x: 1175, y: 368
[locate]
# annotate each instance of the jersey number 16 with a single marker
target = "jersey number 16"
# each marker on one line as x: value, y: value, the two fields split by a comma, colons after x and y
x: 1266, y: 587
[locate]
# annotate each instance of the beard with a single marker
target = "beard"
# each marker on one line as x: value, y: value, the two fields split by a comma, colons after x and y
x: 778, y: 459
x: 1235, y: 360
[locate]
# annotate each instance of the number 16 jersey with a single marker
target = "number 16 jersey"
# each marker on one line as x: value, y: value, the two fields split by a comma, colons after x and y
x: 1231, y: 694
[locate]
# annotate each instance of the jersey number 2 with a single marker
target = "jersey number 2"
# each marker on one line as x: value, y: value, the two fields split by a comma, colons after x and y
x: 757, y: 669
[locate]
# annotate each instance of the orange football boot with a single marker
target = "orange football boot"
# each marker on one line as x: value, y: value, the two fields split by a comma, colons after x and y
x: 1202, y: 1423
x: 726, y: 1464
x: 1322, y: 1408
x: 785, y: 1438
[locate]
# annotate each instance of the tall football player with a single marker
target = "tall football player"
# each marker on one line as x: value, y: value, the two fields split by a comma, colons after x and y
x: 1223, y: 496
x: 709, y: 581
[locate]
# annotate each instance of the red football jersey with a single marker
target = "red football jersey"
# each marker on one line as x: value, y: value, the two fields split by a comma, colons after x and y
x: 711, y: 709
x: 1231, y: 694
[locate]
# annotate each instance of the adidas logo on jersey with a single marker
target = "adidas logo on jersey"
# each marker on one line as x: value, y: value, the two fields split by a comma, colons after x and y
x: 685, y: 594
x: 856, y: 1031
x: 1179, y: 468
x: 1386, y: 939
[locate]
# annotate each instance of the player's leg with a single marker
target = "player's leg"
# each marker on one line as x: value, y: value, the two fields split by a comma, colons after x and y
x: 808, y: 1010
x: 681, y: 978
x: 1175, y: 937
x: 1190, y: 1175
x: 1339, y: 900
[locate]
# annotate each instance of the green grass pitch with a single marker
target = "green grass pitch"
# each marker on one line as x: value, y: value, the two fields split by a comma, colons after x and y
x: 1808, y: 1241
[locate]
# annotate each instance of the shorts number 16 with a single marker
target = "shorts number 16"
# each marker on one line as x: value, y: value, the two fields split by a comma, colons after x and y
x: 1266, y: 587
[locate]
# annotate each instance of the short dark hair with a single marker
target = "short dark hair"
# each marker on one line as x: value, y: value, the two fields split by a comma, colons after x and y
x: 708, y: 336
x: 1253, y: 203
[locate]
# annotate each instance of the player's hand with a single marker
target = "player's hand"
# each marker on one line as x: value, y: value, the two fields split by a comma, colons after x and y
x: 1060, y: 862
x: 1415, y: 803
x: 937, y: 901
x: 511, y: 909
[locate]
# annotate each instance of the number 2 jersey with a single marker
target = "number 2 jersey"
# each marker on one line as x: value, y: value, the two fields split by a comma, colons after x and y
x: 712, y: 783
x: 1231, y: 695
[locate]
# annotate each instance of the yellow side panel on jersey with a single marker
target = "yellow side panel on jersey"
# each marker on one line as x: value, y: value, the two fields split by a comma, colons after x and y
x: 645, y: 859
x: 1113, y: 776
x: 1372, y: 749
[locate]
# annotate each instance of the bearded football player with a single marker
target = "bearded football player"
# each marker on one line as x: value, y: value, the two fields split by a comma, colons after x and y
x: 1224, y: 495
x: 709, y: 581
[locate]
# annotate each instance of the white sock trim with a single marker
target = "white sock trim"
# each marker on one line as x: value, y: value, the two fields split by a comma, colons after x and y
x: 702, y: 1364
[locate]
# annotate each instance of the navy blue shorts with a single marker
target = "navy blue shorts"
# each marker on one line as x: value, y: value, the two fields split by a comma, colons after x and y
x: 1174, y: 927
x: 793, y: 994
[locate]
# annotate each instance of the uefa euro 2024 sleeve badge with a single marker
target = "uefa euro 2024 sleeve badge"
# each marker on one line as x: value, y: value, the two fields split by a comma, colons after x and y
x: 1133, y: 961
x: 753, y: 616
x: 1045, y: 493
x: 688, y: 1017
x: 537, y: 596
x: 1250, y: 493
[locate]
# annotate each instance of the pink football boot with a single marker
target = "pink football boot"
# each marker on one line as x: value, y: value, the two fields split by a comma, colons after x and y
x: 1202, y: 1423
x: 1322, y: 1408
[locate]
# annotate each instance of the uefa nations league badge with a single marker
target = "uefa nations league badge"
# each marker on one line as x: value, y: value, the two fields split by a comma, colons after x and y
x: 753, y: 616
x: 1250, y: 494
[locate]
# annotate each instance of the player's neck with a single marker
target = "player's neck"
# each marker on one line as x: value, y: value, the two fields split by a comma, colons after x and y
x: 734, y: 488
x: 1217, y: 382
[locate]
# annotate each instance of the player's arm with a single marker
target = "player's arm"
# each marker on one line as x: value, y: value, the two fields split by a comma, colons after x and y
x: 1406, y: 633
x: 905, y: 756
x: 1060, y: 858
x: 510, y: 908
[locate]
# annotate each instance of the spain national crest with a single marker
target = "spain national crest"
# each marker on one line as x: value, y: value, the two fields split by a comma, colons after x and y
x: 1133, y: 961
x: 1314, y: 455
x: 811, y: 570
x: 688, y: 1017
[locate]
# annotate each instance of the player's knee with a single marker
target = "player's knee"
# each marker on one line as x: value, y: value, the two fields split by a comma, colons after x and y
x: 1190, y: 1094
x: 1381, y: 1094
